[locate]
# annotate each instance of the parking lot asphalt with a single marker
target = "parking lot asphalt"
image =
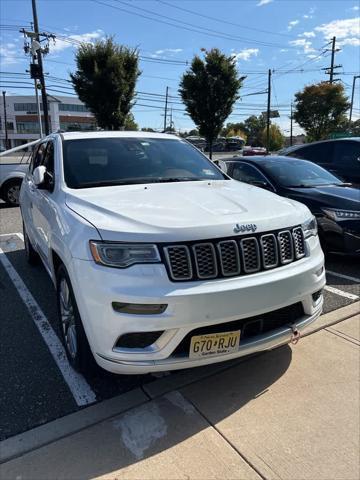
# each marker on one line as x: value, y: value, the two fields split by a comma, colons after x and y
x: 36, y: 384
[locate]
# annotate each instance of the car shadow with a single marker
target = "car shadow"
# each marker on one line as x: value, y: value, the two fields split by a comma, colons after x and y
x: 168, y: 421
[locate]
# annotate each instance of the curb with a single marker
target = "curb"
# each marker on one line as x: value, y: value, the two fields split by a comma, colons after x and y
x: 62, y: 427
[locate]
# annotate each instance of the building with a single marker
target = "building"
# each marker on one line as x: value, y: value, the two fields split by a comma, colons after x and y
x: 66, y: 114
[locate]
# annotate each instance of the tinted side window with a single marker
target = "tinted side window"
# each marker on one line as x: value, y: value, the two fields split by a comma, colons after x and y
x: 319, y: 153
x: 347, y: 153
x: 248, y: 174
x: 48, y: 160
x: 38, y: 156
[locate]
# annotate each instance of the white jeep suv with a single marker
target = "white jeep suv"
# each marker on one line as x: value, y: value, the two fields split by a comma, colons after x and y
x: 160, y: 260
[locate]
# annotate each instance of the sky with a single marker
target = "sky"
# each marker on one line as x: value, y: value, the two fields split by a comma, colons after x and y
x: 290, y: 37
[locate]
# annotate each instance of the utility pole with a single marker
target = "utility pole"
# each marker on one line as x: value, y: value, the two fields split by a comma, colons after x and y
x: 268, y: 114
x: 166, y: 105
x: 332, y: 59
x: 291, y: 125
x: 41, y: 70
x: 330, y: 70
x: 352, y: 98
x: 7, y: 146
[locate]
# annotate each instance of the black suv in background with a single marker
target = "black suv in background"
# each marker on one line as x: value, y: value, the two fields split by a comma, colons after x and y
x: 341, y: 157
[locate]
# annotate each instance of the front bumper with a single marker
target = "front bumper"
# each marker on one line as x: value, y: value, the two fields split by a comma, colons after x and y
x: 342, y: 236
x: 191, y: 305
x: 268, y: 341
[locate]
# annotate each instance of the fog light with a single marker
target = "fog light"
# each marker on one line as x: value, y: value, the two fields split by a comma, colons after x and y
x: 316, y: 296
x: 138, y: 339
x: 139, y: 308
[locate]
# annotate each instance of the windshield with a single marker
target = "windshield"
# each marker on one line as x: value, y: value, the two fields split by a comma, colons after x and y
x: 298, y: 173
x: 127, y: 160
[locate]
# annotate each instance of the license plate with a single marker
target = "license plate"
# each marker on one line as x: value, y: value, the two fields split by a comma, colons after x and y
x: 214, y: 344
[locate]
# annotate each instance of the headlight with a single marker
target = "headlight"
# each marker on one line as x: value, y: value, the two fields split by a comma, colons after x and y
x: 310, y: 228
x: 339, y: 214
x: 123, y: 255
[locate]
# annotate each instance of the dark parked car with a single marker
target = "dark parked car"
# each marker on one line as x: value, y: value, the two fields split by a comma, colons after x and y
x: 335, y: 204
x: 341, y: 157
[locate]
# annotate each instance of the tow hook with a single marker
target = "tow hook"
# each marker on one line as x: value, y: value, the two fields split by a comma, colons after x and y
x: 295, y: 336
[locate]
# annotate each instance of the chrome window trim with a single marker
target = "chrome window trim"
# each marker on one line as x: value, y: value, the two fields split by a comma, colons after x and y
x: 237, y: 255
x: 197, y: 264
x: 186, y: 248
x: 252, y: 270
x: 271, y: 235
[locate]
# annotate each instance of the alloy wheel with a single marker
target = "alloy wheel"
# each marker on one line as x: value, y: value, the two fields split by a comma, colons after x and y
x: 68, y: 320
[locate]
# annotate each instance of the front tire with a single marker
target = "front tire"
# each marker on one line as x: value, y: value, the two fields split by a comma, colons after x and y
x: 72, y: 331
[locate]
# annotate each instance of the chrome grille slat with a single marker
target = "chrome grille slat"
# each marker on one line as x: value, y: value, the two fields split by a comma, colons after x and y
x: 205, y: 260
x: 286, y: 247
x: 234, y: 256
x: 269, y: 250
x: 229, y: 258
x: 250, y: 254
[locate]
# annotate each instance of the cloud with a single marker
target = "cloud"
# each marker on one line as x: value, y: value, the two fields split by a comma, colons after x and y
x: 246, y: 54
x: 347, y: 32
x: 307, y: 34
x: 292, y: 24
x: 310, y: 13
x: 170, y: 52
x: 303, y: 44
x: 9, y: 54
x: 356, y: 8
x: 263, y: 2
x: 69, y: 41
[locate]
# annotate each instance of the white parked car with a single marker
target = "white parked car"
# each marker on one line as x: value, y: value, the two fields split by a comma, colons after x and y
x: 160, y: 260
x: 14, y: 164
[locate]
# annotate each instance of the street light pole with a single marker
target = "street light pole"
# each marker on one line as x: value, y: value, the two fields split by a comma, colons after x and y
x: 268, y: 113
x: 166, y: 104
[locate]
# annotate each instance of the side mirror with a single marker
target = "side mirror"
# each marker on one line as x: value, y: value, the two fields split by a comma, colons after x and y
x: 39, y: 175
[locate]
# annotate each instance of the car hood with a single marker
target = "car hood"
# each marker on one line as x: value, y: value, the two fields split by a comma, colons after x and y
x: 346, y: 198
x: 182, y: 211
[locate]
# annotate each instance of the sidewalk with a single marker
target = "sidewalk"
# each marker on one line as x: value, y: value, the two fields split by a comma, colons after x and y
x: 292, y: 413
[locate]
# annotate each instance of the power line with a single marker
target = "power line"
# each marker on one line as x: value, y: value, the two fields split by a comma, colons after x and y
x: 182, y: 25
x: 225, y: 21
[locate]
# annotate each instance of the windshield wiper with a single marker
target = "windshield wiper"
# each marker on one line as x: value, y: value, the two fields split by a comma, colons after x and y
x: 136, y: 181
x: 174, y: 179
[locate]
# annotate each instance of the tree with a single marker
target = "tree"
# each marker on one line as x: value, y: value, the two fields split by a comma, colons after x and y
x: 130, y: 123
x: 105, y: 81
x: 147, y: 129
x: 276, y: 137
x: 320, y: 108
x: 209, y: 89
x: 254, y: 127
x: 234, y: 130
x: 193, y: 133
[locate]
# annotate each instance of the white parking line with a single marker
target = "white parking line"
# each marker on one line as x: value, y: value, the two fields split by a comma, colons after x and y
x: 80, y: 389
x: 345, y: 277
x: 336, y: 291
